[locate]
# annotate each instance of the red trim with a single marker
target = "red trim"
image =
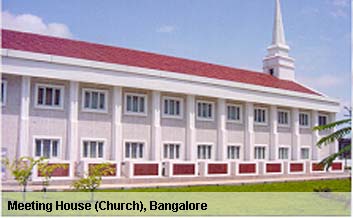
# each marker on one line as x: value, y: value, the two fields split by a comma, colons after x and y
x: 59, y: 172
x: 113, y: 166
x: 145, y: 169
x: 183, y: 169
x: 296, y: 167
x: 273, y: 168
x: 317, y: 167
x: 336, y: 166
x: 96, y: 52
x: 247, y: 168
x: 214, y: 168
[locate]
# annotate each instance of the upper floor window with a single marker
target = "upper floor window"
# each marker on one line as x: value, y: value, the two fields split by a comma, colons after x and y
x: 234, y: 113
x: 260, y: 116
x: 260, y: 152
x: 171, y: 151
x: 205, y: 110
x: 172, y: 107
x: 135, y: 104
x: 204, y: 152
x: 304, y: 153
x: 283, y: 118
x: 49, y: 96
x: 94, y: 100
x: 304, y: 119
x: 283, y: 153
x: 3, y: 92
x: 93, y: 149
x: 134, y: 150
x: 323, y: 120
x: 48, y: 148
x: 233, y: 152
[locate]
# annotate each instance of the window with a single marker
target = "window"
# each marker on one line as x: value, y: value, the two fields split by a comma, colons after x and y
x: 233, y: 152
x: 3, y: 92
x: 304, y: 153
x: 93, y: 149
x: 234, y: 113
x: 205, y: 110
x: 134, y: 150
x: 204, y: 152
x: 172, y: 107
x: 272, y: 71
x: 322, y: 120
x: 283, y: 118
x: 260, y: 152
x: 94, y: 100
x: 49, y: 96
x: 171, y: 151
x: 135, y: 104
x: 283, y: 153
x: 260, y: 115
x: 48, y: 148
x: 304, y: 119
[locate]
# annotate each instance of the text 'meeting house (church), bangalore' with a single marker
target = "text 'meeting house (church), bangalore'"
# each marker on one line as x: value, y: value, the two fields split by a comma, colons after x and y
x: 152, y: 116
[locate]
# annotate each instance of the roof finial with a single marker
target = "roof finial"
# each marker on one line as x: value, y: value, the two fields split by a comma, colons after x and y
x: 278, y: 37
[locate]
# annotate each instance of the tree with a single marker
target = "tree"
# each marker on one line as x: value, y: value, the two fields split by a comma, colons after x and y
x: 93, y: 178
x: 46, y: 170
x: 336, y: 135
x: 22, y: 169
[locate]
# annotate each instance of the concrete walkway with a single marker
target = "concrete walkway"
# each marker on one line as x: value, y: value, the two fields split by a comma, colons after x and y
x: 177, y: 182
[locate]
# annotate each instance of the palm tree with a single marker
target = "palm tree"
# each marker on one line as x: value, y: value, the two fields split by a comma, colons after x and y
x: 338, y: 134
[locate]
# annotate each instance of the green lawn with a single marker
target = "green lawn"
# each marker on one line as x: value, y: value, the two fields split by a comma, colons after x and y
x: 338, y: 185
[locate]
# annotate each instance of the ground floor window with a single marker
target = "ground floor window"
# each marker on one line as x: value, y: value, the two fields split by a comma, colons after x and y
x: 233, y: 152
x: 171, y: 151
x: 93, y: 149
x: 283, y: 153
x: 260, y: 152
x: 204, y: 151
x: 304, y: 153
x: 134, y: 150
x: 48, y: 148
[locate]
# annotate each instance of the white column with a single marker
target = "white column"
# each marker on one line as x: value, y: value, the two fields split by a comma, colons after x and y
x: 315, y: 153
x: 295, y: 134
x: 221, y: 130
x: 24, y: 118
x: 190, y: 146
x: 73, y: 147
x: 334, y: 146
x: 117, y: 134
x: 249, y: 139
x: 273, y: 147
x: 156, y: 142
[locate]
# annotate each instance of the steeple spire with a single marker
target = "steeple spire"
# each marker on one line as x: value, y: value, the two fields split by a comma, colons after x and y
x: 277, y: 62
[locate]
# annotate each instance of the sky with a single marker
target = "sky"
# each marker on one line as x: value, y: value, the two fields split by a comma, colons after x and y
x: 234, y: 33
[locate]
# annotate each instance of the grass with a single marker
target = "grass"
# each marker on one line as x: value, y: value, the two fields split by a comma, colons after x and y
x: 336, y: 185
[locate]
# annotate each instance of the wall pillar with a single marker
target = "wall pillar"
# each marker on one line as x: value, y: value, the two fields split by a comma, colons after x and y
x: 273, y: 148
x: 249, y: 138
x: 24, y: 144
x: 315, y: 153
x: 156, y: 142
x: 221, y: 130
x: 73, y: 147
x: 117, y: 134
x: 190, y: 146
x: 295, y: 149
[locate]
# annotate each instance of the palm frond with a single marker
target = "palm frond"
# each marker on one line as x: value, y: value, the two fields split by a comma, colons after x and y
x: 333, y: 136
x: 332, y: 125
x: 327, y: 162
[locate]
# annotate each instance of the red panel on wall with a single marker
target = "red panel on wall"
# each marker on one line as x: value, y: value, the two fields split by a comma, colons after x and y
x: 59, y: 172
x: 113, y: 167
x: 317, y: 167
x: 273, y: 168
x: 217, y: 169
x: 247, y: 168
x: 183, y: 169
x: 336, y: 166
x: 296, y: 167
x: 145, y: 169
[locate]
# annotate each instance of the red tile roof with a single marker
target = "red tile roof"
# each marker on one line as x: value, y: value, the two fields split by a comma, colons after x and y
x: 96, y: 52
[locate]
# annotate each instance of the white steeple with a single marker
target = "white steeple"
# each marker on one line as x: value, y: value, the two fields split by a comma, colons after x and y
x: 277, y: 62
